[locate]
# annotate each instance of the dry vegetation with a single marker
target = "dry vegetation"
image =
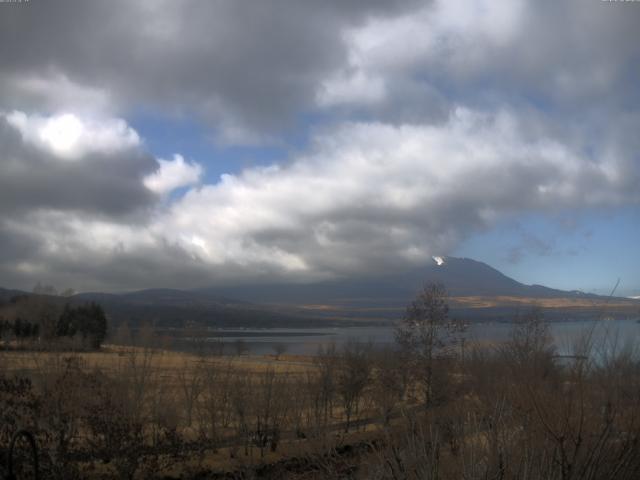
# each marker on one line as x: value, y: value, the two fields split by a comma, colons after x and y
x: 134, y: 412
x: 424, y: 410
x: 624, y: 305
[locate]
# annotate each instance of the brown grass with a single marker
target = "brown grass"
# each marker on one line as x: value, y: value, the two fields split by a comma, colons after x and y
x: 111, y: 357
x: 503, y: 301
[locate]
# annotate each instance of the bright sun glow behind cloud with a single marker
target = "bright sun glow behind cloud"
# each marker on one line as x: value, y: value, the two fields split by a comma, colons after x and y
x: 68, y: 136
x: 62, y: 133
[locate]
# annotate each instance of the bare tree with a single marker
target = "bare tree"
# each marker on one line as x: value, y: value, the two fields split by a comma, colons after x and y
x: 191, y: 382
x: 530, y: 345
x: 269, y: 410
x: 425, y: 334
x: 388, y: 382
x: 323, y: 383
x: 215, y: 408
x: 279, y: 349
x: 354, y: 373
x: 122, y: 335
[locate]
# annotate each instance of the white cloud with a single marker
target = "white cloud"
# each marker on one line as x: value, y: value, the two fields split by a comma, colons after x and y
x: 173, y: 174
x: 346, y: 88
x: 67, y: 136
x: 479, y: 20
x: 373, y: 195
x: 52, y: 90
x: 568, y: 53
x: 367, y: 197
x: 246, y: 72
x: 467, y: 112
x: 71, y: 163
x: 443, y: 37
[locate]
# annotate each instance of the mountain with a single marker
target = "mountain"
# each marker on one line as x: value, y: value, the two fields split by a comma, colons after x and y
x: 7, y: 294
x: 478, y: 292
x: 461, y: 276
x: 165, y: 297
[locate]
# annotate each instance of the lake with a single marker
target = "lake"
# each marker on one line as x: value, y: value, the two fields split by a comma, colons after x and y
x: 305, y: 341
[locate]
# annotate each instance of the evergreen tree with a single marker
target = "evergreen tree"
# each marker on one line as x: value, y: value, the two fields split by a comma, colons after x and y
x: 65, y: 327
x: 89, y: 321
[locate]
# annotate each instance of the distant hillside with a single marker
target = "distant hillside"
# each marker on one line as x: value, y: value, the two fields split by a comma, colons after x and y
x: 178, y: 308
x: 169, y: 308
x: 8, y: 294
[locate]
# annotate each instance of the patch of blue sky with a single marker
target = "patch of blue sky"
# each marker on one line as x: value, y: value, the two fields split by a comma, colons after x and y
x: 579, y: 249
x: 166, y: 136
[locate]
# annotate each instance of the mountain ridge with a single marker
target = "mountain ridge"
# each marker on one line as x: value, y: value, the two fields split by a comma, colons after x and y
x: 461, y: 277
x: 477, y: 290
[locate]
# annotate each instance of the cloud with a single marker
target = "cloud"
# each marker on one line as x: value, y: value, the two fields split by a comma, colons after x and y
x: 366, y: 198
x: 351, y: 88
x: 68, y: 137
x: 173, y: 174
x: 572, y: 58
x: 246, y: 72
x: 249, y: 73
x: 64, y: 162
x: 429, y: 121
x: 373, y: 196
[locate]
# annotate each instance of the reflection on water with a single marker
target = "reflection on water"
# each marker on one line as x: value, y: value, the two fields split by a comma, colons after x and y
x: 621, y: 333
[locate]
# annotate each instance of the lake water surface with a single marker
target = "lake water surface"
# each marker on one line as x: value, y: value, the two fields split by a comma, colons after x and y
x: 305, y: 341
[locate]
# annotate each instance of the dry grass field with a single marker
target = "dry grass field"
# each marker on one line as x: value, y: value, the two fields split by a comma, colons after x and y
x: 113, y: 358
x: 509, y: 410
x: 229, y: 412
x: 582, y: 303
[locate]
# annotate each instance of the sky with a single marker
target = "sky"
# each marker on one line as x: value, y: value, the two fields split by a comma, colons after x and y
x: 185, y: 144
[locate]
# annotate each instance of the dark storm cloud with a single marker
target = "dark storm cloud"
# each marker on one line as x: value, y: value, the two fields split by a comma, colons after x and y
x: 244, y: 68
x: 250, y: 70
x: 15, y: 246
x: 102, y: 183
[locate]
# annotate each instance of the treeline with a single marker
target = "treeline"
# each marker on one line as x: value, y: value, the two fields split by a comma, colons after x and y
x: 87, y: 321
x: 20, y: 329
x: 36, y: 319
